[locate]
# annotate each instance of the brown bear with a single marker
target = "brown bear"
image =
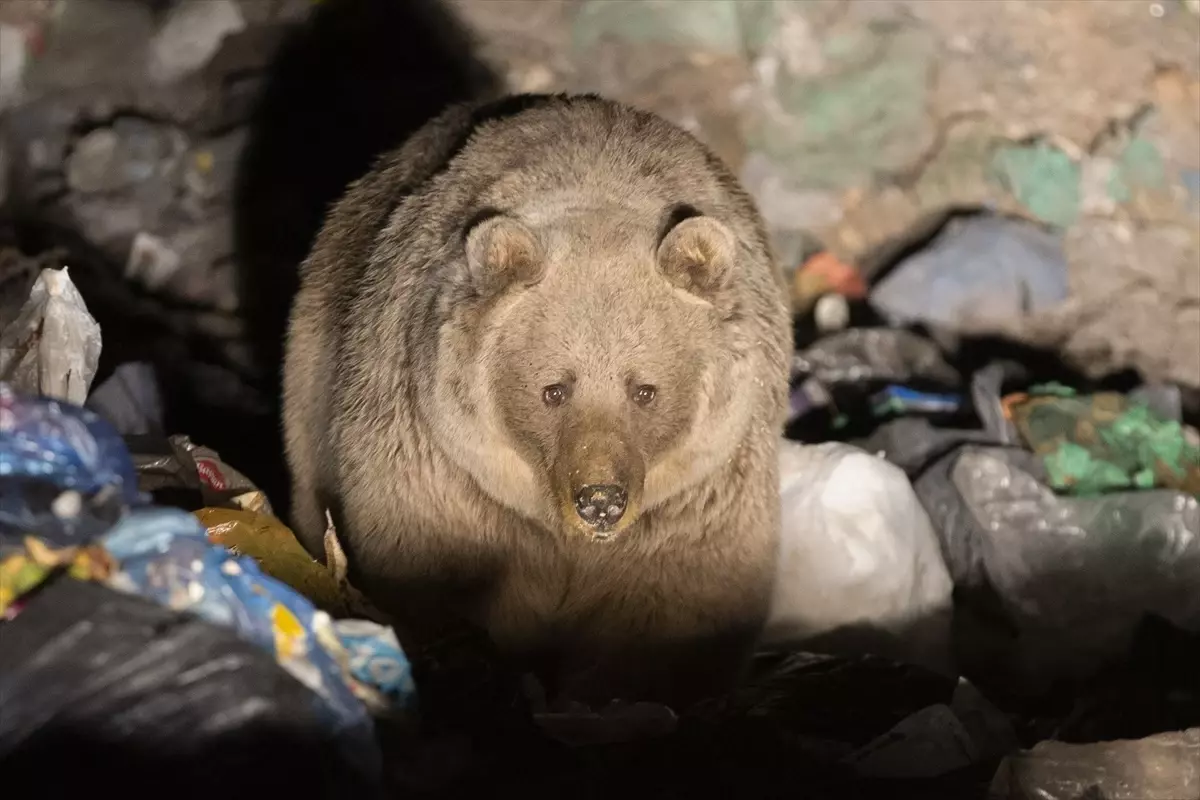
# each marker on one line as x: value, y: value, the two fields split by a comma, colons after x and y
x: 537, y: 371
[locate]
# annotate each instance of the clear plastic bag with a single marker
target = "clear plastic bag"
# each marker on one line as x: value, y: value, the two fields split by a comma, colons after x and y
x: 1075, y: 575
x: 52, y: 348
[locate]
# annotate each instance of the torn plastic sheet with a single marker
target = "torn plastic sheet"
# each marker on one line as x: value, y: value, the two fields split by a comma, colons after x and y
x: 52, y: 348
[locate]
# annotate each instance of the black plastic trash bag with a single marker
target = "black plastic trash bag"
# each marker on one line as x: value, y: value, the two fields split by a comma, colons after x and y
x: 1074, y: 575
x: 104, y: 692
x: 1071, y: 577
x: 837, y: 382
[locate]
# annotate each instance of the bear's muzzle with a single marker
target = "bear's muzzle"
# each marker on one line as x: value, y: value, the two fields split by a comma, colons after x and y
x: 598, y: 476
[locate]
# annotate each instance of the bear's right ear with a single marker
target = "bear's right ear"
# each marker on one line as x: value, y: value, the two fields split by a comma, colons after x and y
x: 502, y: 252
x: 697, y: 256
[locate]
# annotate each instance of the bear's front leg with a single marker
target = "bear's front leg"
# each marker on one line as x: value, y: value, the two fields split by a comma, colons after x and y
x: 676, y: 647
x: 677, y: 671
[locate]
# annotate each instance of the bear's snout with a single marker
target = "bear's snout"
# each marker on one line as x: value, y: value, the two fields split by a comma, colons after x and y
x: 598, y: 476
x: 601, y: 507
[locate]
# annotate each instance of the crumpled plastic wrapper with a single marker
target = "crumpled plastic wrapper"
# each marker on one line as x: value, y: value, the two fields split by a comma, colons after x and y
x: 278, y: 553
x: 372, y: 653
x: 177, y: 463
x: 52, y: 348
x: 861, y: 355
x: 382, y: 676
x: 1161, y: 767
x: 65, y: 445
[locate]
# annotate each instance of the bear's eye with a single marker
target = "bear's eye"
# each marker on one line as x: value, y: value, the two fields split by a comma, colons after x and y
x: 555, y: 395
x: 644, y: 395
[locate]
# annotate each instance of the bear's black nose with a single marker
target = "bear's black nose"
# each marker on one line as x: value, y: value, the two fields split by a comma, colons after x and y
x: 600, y: 506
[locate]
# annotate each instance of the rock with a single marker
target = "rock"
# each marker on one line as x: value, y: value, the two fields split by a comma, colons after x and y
x: 191, y: 36
x: 1095, y: 183
x: 1163, y: 767
x: 1191, y: 181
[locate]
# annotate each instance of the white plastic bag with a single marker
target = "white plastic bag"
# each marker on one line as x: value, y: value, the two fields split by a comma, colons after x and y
x: 52, y: 348
x: 860, y: 567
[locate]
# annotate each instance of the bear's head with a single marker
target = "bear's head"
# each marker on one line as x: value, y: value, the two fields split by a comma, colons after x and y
x: 591, y: 370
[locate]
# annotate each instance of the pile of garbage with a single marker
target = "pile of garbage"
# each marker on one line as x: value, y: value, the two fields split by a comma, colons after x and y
x: 1002, y: 518
x: 140, y: 631
x: 941, y: 519
x: 1070, y: 512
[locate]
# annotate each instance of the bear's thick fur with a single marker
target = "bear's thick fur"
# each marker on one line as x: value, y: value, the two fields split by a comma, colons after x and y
x: 537, y: 371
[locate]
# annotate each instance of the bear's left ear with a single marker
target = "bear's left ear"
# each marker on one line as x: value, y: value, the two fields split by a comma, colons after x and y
x: 697, y: 256
x: 502, y: 252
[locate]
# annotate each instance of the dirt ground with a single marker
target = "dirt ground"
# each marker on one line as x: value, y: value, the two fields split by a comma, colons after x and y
x: 849, y: 120
x: 852, y: 120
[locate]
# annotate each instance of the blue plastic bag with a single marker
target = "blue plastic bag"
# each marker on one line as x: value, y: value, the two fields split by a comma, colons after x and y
x: 64, y: 444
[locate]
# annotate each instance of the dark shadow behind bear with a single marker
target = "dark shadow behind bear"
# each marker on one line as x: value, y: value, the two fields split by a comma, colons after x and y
x: 354, y: 82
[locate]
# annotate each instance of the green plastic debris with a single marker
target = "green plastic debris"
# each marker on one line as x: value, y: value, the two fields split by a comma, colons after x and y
x: 1142, y: 436
x: 711, y: 25
x: 1140, y: 165
x: 1071, y: 468
x: 1144, y: 479
x: 863, y: 114
x: 1092, y: 444
x: 1044, y: 179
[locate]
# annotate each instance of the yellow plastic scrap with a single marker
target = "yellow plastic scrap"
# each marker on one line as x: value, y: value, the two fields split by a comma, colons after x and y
x: 19, y: 574
x: 273, y: 545
x: 22, y: 571
x: 290, y: 638
x: 204, y: 161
